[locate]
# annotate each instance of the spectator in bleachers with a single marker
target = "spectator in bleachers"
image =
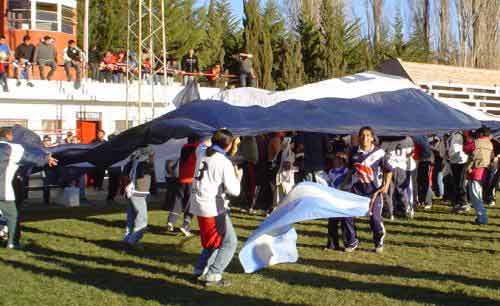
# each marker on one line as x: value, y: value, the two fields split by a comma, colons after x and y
x: 46, y: 55
x: 94, y: 60
x: 121, y: 67
x: 5, y: 54
x: 190, y: 65
x: 73, y: 59
x: 23, y: 63
x: 107, y: 66
x: 247, y: 73
x: 214, y: 76
x: 133, y: 67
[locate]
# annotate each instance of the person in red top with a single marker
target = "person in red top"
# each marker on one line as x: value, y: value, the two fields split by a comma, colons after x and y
x: 187, y: 165
x: 108, y: 66
x: 480, y: 151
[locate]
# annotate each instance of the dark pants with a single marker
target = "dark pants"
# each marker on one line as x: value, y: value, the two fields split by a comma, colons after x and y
x: 106, y: 75
x: 67, y: 68
x: 459, y: 191
x: 397, y: 200
x: 114, y: 175
x: 245, y: 79
x: 424, y: 168
x: 347, y: 225
x: 10, y: 212
x: 99, y: 174
x: 489, y: 187
x: 94, y: 71
x: 377, y: 223
x: 41, y: 67
x: 181, y: 205
x: 3, y: 79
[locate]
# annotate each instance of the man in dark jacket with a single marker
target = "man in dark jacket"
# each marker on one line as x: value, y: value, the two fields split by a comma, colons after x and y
x: 11, y: 157
x: 24, y: 60
x: 190, y: 65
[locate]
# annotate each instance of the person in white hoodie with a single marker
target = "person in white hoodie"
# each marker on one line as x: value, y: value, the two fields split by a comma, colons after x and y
x: 215, y: 177
x: 458, y: 159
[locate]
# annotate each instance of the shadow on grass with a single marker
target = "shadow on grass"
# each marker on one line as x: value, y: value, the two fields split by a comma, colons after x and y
x: 52, y: 213
x: 147, y: 288
x: 398, y: 271
x: 393, y: 291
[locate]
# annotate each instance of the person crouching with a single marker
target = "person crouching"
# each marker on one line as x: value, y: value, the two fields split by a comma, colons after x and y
x: 215, y: 176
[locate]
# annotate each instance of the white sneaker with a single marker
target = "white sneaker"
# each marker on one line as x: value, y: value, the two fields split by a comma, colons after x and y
x: 379, y: 249
x: 186, y: 232
x: 210, y: 277
x: 170, y: 227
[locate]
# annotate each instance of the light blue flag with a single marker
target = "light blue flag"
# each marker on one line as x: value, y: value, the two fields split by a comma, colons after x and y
x: 275, y: 241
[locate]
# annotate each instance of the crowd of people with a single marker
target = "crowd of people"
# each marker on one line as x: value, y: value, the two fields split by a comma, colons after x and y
x: 398, y: 174
x: 112, y: 67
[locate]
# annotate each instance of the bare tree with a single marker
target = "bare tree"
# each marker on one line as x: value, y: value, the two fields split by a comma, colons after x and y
x: 444, y: 28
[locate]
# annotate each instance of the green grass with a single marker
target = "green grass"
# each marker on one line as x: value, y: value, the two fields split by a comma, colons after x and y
x: 74, y: 257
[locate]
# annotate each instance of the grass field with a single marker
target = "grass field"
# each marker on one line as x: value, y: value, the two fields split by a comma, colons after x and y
x: 74, y: 257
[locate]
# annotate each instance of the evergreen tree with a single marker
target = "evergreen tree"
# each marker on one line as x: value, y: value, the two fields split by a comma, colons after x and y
x: 291, y: 72
x: 398, y: 39
x: 310, y: 39
x: 252, y: 30
x: 213, y: 45
x: 274, y: 23
x: 258, y: 43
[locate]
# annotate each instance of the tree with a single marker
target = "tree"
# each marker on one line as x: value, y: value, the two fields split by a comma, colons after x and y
x: 398, y: 42
x: 274, y: 24
x: 310, y: 39
x: 213, y: 45
x: 291, y: 72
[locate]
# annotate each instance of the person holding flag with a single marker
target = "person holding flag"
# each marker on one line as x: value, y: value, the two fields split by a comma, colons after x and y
x: 370, y: 175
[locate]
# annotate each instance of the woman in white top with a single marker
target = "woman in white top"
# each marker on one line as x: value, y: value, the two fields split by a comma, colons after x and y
x: 215, y: 176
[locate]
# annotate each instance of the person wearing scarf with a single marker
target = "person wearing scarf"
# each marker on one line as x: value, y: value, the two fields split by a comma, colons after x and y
x: 215, y: 177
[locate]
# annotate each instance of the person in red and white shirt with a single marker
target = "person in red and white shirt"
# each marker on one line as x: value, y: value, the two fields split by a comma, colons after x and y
x: 215, y: 177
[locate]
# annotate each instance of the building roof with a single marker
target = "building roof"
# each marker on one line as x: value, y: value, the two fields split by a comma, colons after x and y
x: 433, y: 73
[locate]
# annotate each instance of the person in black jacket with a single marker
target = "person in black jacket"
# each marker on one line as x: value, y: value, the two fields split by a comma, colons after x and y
x: 190, y: 65
x: 24, y: 60
x: 94, y: 61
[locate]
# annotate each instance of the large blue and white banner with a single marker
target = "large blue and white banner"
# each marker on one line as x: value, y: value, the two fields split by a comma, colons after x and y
x: 275, y: 241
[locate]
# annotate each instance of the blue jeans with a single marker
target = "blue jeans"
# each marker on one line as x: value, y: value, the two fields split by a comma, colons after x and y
x: 476, y: 197
x: 217, y: 260
x: 137, y: 219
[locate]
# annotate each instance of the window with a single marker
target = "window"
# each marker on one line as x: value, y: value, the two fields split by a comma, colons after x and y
x: 19, y: 14
x: 68, y: 19
x: 12, y: 122
x: 120, y: 125
x: 49, y: 125
x: 46, y: 16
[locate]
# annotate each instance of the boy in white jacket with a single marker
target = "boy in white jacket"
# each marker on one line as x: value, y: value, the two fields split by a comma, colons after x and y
x: 215, y: 176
